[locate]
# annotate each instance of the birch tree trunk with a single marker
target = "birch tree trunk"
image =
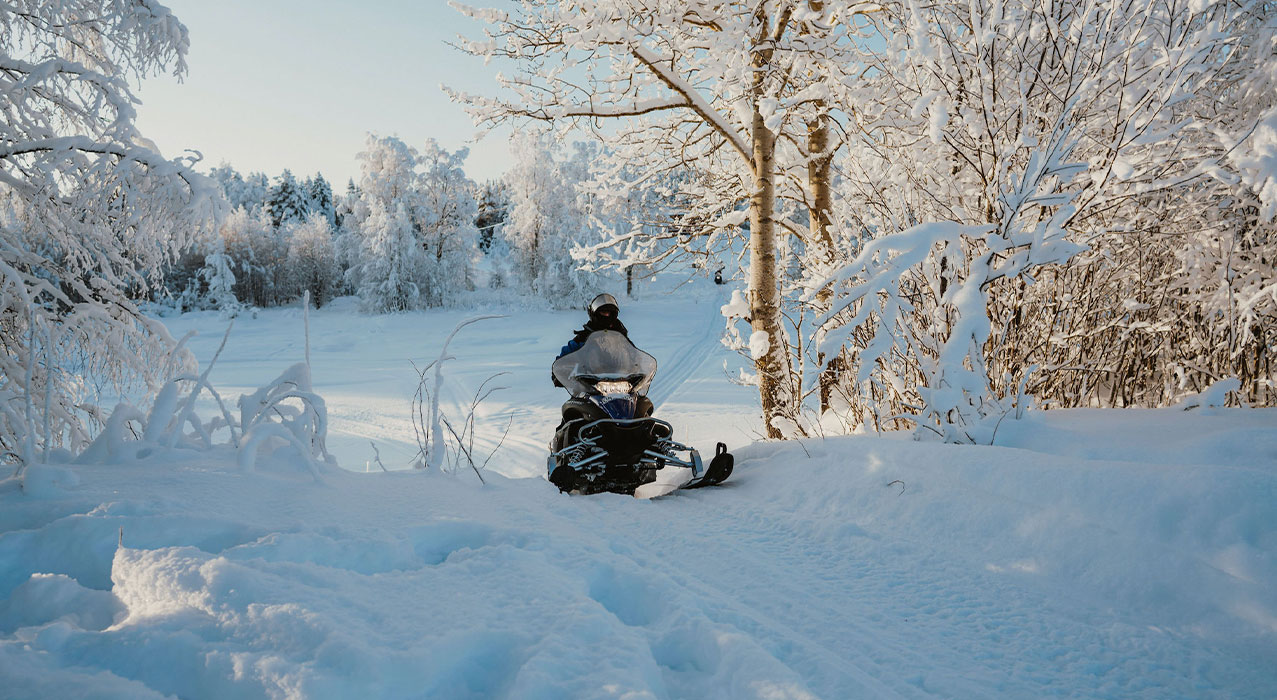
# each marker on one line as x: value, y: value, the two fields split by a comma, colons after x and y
x: 820, y: 194
x: 764, y: 291
x: 820, y: 198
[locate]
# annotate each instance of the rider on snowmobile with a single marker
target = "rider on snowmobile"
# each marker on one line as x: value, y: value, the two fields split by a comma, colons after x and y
x: 603, y: 316
x: 608, y: 439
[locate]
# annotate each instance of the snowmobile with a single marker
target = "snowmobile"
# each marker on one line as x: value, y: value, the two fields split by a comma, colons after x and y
x: 608, y: 440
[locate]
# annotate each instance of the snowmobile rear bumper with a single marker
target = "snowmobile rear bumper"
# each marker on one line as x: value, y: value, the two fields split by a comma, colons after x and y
x: 617, y: 455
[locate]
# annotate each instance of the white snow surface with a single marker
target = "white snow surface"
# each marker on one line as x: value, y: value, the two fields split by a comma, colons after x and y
x: 1098, y: 554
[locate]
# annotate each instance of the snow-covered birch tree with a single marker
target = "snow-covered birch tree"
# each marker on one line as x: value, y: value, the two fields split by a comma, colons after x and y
x: 546, y: 222
x: 448, y: 213
x: 94, y: 211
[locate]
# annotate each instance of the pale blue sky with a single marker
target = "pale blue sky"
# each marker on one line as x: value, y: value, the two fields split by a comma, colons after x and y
x: 297, y: 84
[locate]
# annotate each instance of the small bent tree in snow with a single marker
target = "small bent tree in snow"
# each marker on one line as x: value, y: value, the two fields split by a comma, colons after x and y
x: 94, y: 212
x: 287, y: 409
x: 444, y: 443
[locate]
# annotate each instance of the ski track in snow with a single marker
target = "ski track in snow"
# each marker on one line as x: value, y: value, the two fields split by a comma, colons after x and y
x: 690, y: 356
x: 1020, y: 572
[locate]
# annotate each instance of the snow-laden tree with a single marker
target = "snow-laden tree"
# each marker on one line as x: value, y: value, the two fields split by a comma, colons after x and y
x: 319, y: 198
x: 287, y: 200
x: 240, y: 191
x: 546, y: 221
x: 381, y: 235
x: 448, y: 211
x: 219, y: 277
x: 493, y: 210
x: 993, y: 143
x: 312, y: 258
x: 93, y: 210
x: 259, y: 251
x: 390, y: 271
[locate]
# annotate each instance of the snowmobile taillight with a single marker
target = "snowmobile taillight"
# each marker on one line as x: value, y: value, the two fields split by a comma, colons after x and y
x: 609, y: 388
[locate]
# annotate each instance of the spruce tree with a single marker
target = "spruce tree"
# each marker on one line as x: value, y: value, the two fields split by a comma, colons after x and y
x: 494, y: 209
x: 319, y: 197
x: 286, y: 202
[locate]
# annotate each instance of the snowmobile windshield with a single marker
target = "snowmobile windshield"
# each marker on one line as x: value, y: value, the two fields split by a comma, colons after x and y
x: 607, y: 363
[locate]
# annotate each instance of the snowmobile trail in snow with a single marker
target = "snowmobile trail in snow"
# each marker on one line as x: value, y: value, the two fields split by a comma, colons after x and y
x: 865, y: 611
x: 682, y: 363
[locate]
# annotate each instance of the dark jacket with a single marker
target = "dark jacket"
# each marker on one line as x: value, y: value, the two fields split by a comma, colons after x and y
x: 594, y: 324
x: 578, y: 340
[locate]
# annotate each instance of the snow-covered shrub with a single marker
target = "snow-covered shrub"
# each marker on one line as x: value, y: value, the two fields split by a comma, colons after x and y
x: 287, y: 409
x: 443, y: 443
x: 128, y: 433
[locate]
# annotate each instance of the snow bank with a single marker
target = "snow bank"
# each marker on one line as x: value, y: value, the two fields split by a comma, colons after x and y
x: 846, y: 567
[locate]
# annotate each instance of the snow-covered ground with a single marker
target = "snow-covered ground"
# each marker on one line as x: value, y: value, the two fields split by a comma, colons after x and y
x: 1091, y: 554
x: 363, y: 367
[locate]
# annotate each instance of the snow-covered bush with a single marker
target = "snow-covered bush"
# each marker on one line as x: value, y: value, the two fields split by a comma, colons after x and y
x: 286, y: 411
x: 444, y: 443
